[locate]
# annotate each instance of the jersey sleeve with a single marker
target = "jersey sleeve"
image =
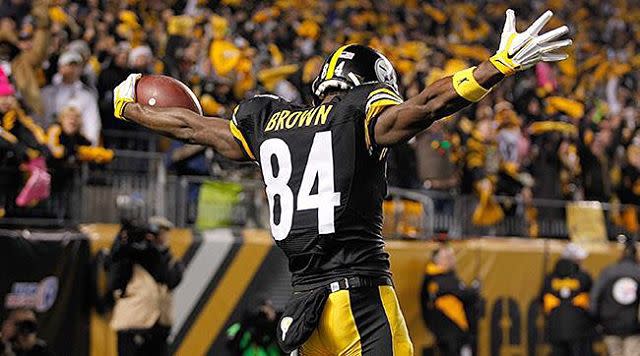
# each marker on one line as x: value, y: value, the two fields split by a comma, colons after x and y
x: 245, y: 120
x: 375, y: 99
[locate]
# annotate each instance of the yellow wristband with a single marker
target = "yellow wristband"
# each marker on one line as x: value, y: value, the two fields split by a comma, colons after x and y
x: 467, y: 86
x: 502, y: 62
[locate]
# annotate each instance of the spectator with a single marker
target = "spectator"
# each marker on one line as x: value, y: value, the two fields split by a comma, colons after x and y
x: 66, y: 142
x: 597, y: 145
x: 228, y: 51
x: 255, y: 334
x: 29, y: 52
x: 142, y: 275
x: 614, y: 303
x: 116, y: 71
x: 68, y: 147
x: 565, y: 300
x: 88, y: 74
x: 21, y: 143
x: 448, y: 306
x: 141, y: 60
x: 19, y: 335
x: 71, y: 91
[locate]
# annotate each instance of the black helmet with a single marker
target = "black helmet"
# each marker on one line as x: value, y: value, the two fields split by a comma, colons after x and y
x: 353, y: 65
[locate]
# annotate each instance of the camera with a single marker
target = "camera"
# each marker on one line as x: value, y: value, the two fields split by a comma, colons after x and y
x: 131, y: 213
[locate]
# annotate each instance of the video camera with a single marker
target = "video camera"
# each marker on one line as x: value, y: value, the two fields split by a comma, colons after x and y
x: 132, y: 215
x: 26, y: 327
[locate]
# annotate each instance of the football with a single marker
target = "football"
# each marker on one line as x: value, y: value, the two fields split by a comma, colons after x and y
x: 166, y: 92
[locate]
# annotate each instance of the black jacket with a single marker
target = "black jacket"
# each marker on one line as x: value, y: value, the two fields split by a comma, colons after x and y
x: 565, y: 300
x: 446, y: 303
x: 107, y: 80
x: 614, y: 298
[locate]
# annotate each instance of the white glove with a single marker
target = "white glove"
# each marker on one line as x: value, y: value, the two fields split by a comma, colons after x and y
x: 124, y: 93
x: 520, y: 51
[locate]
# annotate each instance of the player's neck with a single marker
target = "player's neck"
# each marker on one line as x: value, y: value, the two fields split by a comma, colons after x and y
x: 329, y: 97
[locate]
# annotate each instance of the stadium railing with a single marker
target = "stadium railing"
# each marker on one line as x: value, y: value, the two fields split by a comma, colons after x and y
x: 136, y: 173
x: 134, y: 140
x: 453, y: 213
x: 87, y: 193
x: 251, y: 209
x: 56, y: 211
x: 90, y: 192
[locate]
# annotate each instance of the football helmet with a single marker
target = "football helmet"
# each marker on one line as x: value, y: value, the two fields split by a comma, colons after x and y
x: 352, y: 65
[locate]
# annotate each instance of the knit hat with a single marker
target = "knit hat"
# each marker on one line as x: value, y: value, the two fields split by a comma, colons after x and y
x: 6, y: 89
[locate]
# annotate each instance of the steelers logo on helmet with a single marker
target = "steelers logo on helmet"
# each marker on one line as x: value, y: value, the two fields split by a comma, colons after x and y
x: 385, y: 72
x: 352, y: 65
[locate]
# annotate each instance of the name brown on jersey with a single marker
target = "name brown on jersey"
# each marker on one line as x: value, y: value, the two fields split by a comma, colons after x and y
x: 286, y: 119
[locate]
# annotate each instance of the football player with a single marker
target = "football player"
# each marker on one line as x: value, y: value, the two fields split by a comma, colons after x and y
x: 324, y: 170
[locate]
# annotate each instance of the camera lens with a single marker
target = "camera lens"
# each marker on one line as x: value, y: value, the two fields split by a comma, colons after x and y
x: 26, y: 327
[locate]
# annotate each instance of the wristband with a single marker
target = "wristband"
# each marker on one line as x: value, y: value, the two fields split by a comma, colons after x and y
x: 467, y: 86
x: 503, y: 63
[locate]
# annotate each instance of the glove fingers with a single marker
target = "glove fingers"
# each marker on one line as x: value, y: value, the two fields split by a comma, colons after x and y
x: 510, y: 22
x: 520, y: 44
x: 553, y: 34
x: 134, y: 76
x: 529, y: 62
x: 552, y: 46
x: 539, y: 24
x: 554, y: 57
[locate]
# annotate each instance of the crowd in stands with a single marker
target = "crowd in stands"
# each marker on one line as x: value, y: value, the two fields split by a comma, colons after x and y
x: 567, y: 131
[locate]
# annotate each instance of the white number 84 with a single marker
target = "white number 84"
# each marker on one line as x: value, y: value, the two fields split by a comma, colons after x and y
x: 320, y: 164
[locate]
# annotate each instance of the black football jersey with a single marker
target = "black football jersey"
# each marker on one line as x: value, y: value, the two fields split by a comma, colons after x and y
x: 325, y: 180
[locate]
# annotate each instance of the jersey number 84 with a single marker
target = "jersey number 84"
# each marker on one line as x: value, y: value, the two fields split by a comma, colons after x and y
x: 319, y: 164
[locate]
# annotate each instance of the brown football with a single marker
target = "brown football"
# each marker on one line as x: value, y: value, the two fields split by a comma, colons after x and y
x: 166, y: 92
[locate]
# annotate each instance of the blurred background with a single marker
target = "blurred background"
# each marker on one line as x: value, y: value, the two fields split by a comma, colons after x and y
x: 552, y: 153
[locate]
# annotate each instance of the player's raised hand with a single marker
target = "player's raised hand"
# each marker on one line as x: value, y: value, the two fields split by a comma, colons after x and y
x: 520, y: 51
x: 124, y: 93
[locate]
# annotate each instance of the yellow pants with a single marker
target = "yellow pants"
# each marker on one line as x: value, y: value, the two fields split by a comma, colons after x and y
x: 360, y: 321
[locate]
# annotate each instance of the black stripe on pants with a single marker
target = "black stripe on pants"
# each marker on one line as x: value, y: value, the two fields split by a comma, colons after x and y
x: 371, y: 321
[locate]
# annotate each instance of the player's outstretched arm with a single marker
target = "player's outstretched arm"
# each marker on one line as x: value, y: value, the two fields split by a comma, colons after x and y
x: 517, y: 52
x: 178, y: 123
x: 185, y: 125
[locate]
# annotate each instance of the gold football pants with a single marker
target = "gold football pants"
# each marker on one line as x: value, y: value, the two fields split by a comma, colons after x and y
x: 360, y: 321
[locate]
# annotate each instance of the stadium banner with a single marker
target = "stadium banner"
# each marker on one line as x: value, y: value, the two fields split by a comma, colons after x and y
x: 49, y: 273
x: 228, y: 271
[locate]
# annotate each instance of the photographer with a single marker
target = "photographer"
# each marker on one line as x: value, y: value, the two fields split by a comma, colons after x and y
x: 20, y: 335
x: 142, y: 274
x: 255, y: 334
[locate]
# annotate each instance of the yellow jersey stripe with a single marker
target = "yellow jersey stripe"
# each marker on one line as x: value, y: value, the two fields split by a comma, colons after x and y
x: 334, y: 61
x: 386, y: 91
x: 376, y: 107
x: 238, y: 135
x: 374, y: 110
